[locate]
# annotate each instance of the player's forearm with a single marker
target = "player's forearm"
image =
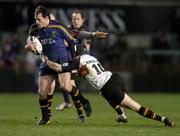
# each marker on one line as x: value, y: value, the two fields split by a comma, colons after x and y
x: 55, y: 66
x: 65, y: 67
x: 84, y: 35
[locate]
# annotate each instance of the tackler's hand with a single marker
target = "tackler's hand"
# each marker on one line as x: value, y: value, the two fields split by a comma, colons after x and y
x: 101, y: 35
x: 83, y: 71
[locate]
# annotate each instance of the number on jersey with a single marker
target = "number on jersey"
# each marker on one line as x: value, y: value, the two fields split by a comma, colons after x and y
x: 99, y: 69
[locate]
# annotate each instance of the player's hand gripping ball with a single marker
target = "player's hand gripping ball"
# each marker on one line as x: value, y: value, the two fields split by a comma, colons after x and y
x: 37, y: 48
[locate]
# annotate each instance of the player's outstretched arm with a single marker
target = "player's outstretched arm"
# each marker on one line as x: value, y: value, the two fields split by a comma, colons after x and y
x: 86, y: 35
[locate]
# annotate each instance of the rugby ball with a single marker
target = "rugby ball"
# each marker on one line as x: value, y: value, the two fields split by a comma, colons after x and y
x: 38, y: 46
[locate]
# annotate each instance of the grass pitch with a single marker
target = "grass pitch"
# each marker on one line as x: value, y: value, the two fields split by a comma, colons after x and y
x: 19, y: 113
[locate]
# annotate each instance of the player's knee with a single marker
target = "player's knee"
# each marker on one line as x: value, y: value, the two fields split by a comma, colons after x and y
x: 42, y: 93
x: 52, y: 87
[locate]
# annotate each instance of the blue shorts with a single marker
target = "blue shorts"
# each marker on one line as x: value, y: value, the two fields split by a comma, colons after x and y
x: 45, y: 70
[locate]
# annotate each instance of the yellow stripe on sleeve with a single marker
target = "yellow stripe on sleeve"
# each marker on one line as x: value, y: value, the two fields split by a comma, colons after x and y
x: 63, y: 29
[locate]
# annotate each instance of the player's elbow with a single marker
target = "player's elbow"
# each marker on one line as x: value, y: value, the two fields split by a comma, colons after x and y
x: 58, y: 70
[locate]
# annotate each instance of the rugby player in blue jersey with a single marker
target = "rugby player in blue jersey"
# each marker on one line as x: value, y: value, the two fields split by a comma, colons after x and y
x: 52, y: 35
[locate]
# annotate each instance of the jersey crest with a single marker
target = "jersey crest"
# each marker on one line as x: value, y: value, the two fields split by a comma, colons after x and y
x: 54, y: 34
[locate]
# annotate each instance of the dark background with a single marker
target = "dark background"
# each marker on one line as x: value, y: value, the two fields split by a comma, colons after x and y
x: 145, y: 67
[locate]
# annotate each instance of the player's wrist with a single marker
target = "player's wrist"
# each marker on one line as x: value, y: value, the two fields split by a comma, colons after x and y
x: 45, y: 60
x: 91, y: 34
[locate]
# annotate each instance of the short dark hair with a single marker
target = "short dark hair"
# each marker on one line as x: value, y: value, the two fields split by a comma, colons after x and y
x: 80, y: 12
x: 41, y: 9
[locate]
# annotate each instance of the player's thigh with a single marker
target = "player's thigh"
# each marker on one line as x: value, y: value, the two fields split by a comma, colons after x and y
x: 65, y: 81
x: 44, y: 83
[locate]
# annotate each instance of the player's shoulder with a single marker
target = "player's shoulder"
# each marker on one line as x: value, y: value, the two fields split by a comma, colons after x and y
x: 55, y: 23
x: 58, y: 26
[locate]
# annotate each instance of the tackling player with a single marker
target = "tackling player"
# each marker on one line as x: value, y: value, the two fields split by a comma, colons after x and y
x: 111, y: 86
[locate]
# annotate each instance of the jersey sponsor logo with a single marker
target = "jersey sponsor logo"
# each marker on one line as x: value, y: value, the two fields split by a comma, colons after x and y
x: 47, y: 41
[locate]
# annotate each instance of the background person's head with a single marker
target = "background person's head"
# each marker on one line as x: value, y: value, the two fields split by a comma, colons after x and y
x: 77, y: 19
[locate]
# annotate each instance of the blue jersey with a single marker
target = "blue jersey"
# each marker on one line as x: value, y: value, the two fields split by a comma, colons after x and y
x: 52, y: 39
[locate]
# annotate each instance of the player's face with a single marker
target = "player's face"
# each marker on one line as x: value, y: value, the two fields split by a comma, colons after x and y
x: 41, y: 21
x: 77, y: 20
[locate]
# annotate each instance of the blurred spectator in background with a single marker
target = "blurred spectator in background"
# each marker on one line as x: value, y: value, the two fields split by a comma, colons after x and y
x: 32, y: 65
x: 10, y: 52
x: 8, y: 55
x: 16, y: 44
x: 160, y: 42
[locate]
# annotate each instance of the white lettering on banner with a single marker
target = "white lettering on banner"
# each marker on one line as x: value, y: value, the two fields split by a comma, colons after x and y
x: 118, y: 20
x: 97, y: 19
